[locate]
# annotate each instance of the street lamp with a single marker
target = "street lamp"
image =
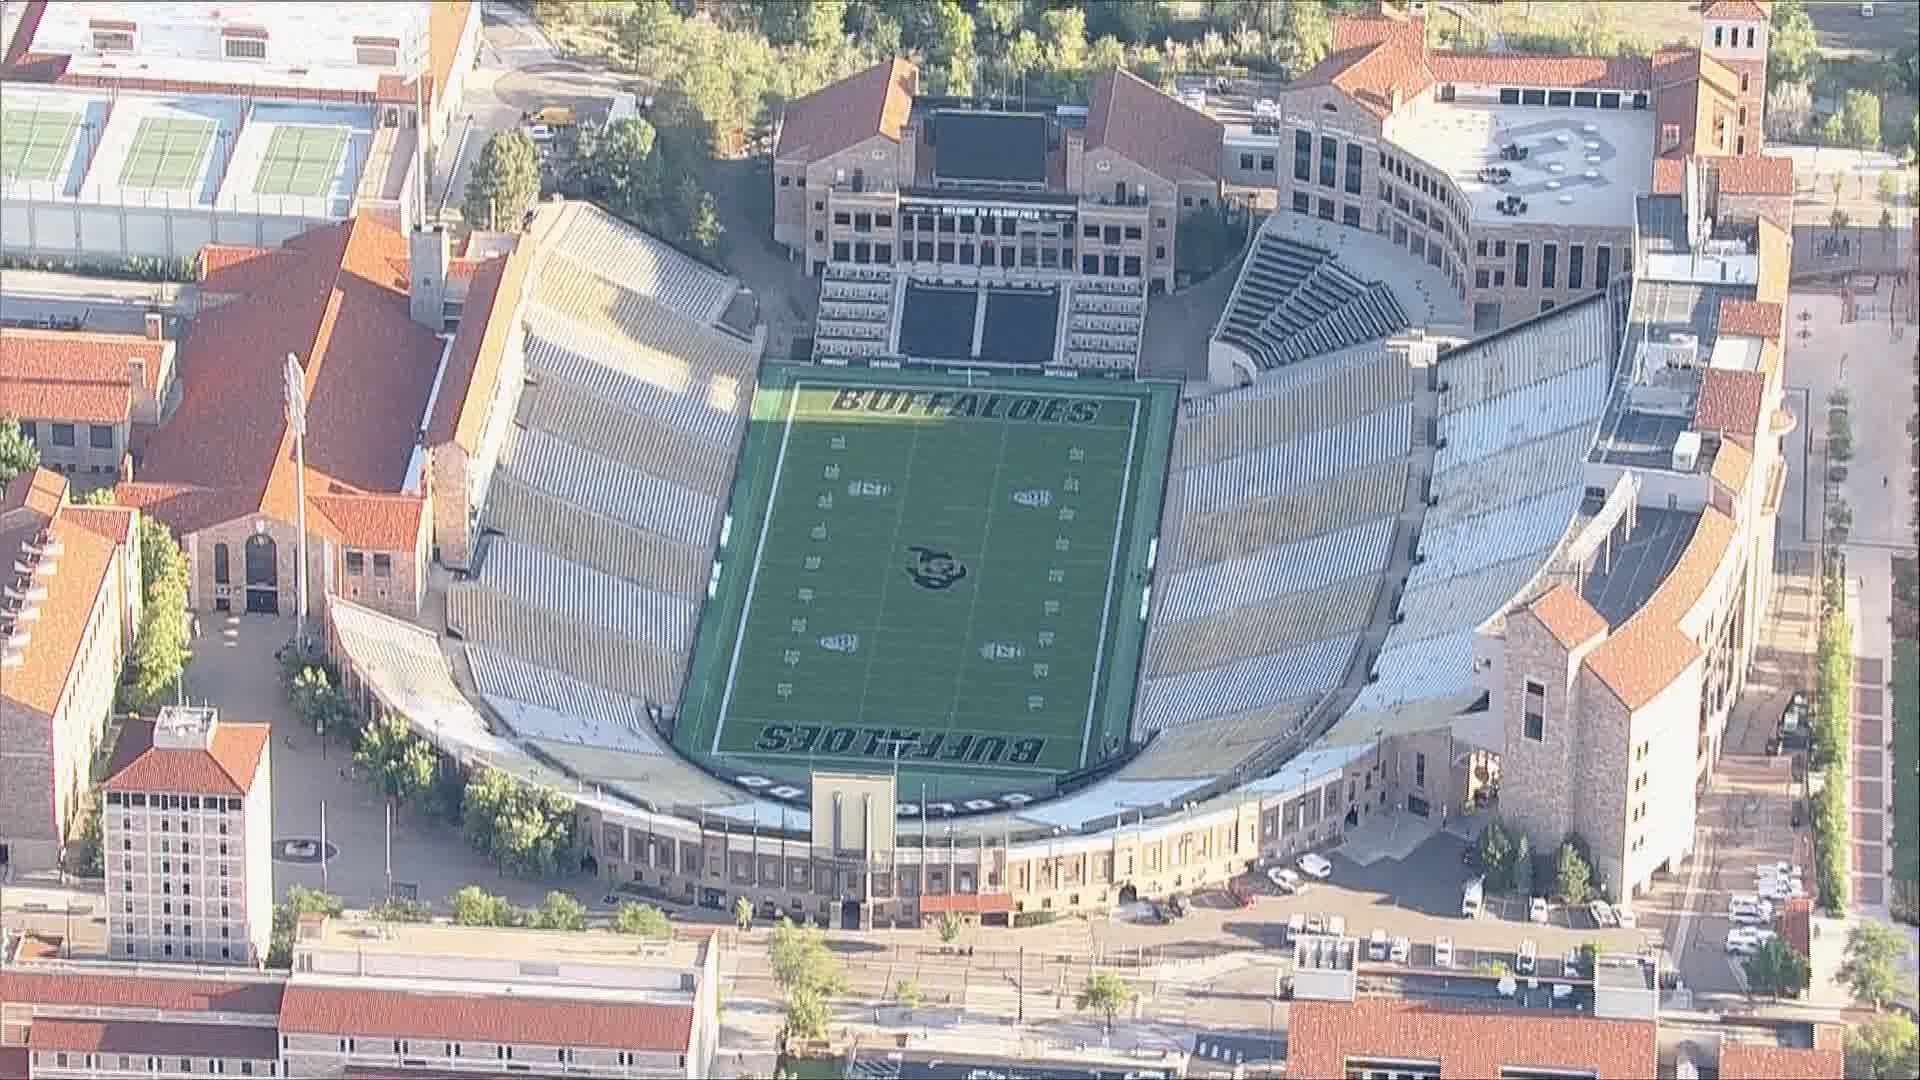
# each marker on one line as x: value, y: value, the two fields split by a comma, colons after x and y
x: 296, y: 400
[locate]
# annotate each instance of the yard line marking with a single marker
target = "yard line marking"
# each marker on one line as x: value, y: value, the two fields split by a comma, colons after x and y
x: 973, y: 604
x: 1106, y: 607
x: 759, y: 551
x: 886, y: 575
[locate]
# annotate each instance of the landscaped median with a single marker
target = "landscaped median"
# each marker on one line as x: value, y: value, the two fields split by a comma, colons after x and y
x: 1831, y: 732
x: 1905, y: 903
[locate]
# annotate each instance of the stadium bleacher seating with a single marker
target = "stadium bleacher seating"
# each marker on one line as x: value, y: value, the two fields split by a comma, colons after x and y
x: 1356, y: 381
x: 1243, y: 632
x: 573, y: 532
x: 1245, y: 528
x: 1300, y: 672
x: 541, y: 703
x: 856, y: 315
x: 658, y: 386
x: 621, y: 435
x: 583, y: 594
x: 597, y: 242
x: 1300, y: 567
x: 625, y: 494
x: 1277, y: 468
x: 482, y: 615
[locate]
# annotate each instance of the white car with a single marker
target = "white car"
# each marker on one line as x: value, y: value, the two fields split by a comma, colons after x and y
x: 1401, y: 950
x: 1602, y: 913
x: 1537, y: 910
x: 1443, y: 952
x: 1750, y: 911
x: 1337, y: 925
x: 1315, y: 866
x: 1746, y: 940
x: 1624, y: 916
x: 1781, y: 888
x: 1377, y: 945
x: 1527, y: 960
x: 1285, y: 880
x: 1782, y: 869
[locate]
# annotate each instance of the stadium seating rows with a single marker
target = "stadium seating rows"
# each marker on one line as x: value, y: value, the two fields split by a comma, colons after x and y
x: 599, y: 242
x: 1488, y: 483
x: 1201, y: 747
x: 666, y: 393
x: 1241, y: 633
x: 579, y: 535
x: 1521, y: 356
x: 488, y: 617
x: 1462, y: 602
x: 1298, y: 673
x: 543, y: 579
x: 1295, y: 301
x: 1532, y: 524
x: 612, y: 490
x: 1573, y: 397
x: 1433, y: 667
x: 1277, y: 469
x: 540, y: 703
x: 1426, y: 295
x: 1241, y: 530
x: 578, y: 416
x: 1300, y: 567
x: 1348, y: 391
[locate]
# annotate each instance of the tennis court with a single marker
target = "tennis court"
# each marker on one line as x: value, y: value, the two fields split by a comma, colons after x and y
x: 300, y: 160
x: 34, y: 141
x: 166, y: 152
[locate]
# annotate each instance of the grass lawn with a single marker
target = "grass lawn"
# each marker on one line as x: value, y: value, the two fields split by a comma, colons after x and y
x: 812, y: 1068
x: 936, y: 565
x: 1906, y: 758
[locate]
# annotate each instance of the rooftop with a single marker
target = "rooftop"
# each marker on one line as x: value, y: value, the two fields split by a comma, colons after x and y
x: 70, y: 571
x: 991, y: 147
x: 225, y: 766
x: 1583, y: 166
x: 1134, y: 119
x: 1632, y: 567
x: 75, y: 375
x: 311, y: 1008
x: 1741, y: 1060
x: 876, y: 101
x: 1464, y: 1042
x: 145, y: 1037
x: 545, y: 946
x: 119, y: 985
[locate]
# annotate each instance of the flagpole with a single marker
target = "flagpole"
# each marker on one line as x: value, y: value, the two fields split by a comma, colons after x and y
x: 323, y: 845
x: 389, y: 848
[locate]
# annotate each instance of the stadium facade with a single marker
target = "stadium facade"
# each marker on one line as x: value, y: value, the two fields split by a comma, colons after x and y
x: 1388, y: 574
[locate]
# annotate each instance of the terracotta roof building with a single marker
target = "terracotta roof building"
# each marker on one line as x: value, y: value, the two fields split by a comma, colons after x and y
x: 867, y: 171
x: 1741, y: 1060
x: 80, y: 394
x: 337, y: 298
x: 190, y: 813
x: 67, y: 620
x: 1462, y: 1043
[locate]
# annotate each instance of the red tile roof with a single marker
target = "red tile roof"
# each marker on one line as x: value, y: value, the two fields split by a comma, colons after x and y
x: 39, y: 489
x: 123, y: 991
x: 115, y: 523
x: 1669, y: 176
x: 1131, y: 117
x: 473, y: 364
x: 1730, y: 401
x: 1761, y: 1061
x: 1733, y: 9
x: 1371, y: 74
x: 446, y: 28
x: 380, y: 522
x: 74, y: 376
x: 226, y: 769
x: 237, y: 268
x: 184, y: 507
x: 24, y: 30
x: 334, y: 300
x: 1753, y: 174
x: 1751, y: 318
x: 61, y: 632
x: 1568, y: 617
x: 1627, y: 73
x: 329, y: 1010
x: 1648, y: 651
x: 148, y: 1037
x: 1468, y: 1043
x: 876, y: 101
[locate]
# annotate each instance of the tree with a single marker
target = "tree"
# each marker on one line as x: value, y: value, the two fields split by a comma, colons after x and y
x: 286, y: 917
x: 398, y: 761
x: 160, y: 647
x: 644, y: 23
x: 1106, y: 994
x: 806, y: 1013
x: 950, y: 925
x: 505, y: 181
x: 1495, y: 848
x: 316, y: 698
x: 475, y: 906
x: 801, y: 961
x: 816, y: 23
x: 1572, y: 876
x: 743, y: 914
x: 100, y: 496
x: 1523, y: 866
x: 1860, y: 119
x: 1793, y: 49
x: 1884, y: 1048
x: 84, y: 856
x: 528, y: 830
x: 906, y: 994
x: 401, y: 910
x: 1869, y: 970
x: 618, y: 168
x: 1063, y: 32
x: 1000, y: 19
x: 1789, y: 110
x: 1839, y: 219
x: 949, y: 33
x: 641, y: 920
x: 1306, y: 37
x: 1833, y: 132
x: 559, y: 911
x: 18, y: 453
x: 1776, y: 969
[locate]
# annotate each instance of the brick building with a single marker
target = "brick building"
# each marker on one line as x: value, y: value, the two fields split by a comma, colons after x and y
x: 80, y: 395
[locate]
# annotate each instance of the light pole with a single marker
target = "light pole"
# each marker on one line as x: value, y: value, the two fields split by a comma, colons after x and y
x: 296, y: 394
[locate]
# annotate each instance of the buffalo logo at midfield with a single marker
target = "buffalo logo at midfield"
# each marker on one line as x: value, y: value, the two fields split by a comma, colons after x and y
x: 931, y: 568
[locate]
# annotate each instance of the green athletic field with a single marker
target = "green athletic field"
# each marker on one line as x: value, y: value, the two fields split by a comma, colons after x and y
x: 300, y: 160
x: 33, y: 142
x: 166, y: 152
x: 952, y: 569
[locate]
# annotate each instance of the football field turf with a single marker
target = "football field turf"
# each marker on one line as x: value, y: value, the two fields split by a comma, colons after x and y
x: 954, y: 571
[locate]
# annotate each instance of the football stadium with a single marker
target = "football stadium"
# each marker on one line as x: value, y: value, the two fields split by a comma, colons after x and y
x: 938, y: 573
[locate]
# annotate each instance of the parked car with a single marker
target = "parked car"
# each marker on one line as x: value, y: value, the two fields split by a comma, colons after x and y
x: 1796, y: 728
x: 1781, y: 889
x: 1401, y: 950
x: 1296, y: 926
x: 1624, y: 916
x: 1782, y: 869
x: 1602, y: 913
x: 1337, y: 925
x: 1527, y: 960
x: 1287, y: 881
x: 1443, y: 952
x: 1177, y: 906
x: 1750, y: 911
x: 1472, y: 896
x: 1315, y: 866
x: 1746, y: 940
x: 1537, y: 910
x: 1377, y: 945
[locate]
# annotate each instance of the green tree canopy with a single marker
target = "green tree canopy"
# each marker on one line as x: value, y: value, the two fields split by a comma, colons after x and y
x: 817, y: 22
x: 399, y: 909
x: 1572, y: 876
x: 1793, y: 49
x: 1776, y: 969
x: 559, y: 911
x: 528, y: 830
x: 1104, y: 993
x: 475, y: 906
x: 641, y: 920
x: 18, y: 453
x: 1884, y: 1048
x: 1306, y: 37
x: 1860, y: 119
x: 286, y: 917
x: 1870, y: 969
x: 160, y: 646
x: 742, y: 913
x: 1522, y: 872
x: 505, y: 181
x: 801, y: 961
x: 806, y: 1013
x: 399, y: 762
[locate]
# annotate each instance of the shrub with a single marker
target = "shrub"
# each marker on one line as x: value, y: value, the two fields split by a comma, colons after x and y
x: 1023, y: 919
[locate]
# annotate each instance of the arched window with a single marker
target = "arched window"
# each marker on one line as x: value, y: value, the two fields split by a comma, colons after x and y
x: 222, y: 573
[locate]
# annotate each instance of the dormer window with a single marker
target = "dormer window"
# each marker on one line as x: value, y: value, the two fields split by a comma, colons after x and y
x: 244, y: 43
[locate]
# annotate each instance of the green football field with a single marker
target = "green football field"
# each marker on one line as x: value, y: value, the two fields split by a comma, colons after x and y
x: 951, y: 572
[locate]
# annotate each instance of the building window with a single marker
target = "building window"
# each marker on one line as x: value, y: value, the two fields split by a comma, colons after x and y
x: 1160, y: 251
x: 1354, y: 159
x: 62, y: 434
x: 1602, y: 265
x: 1326, y: 209
x: 1521, y: 254
x: 1302, y: 154
x: 1329, y: 153
x: 1720, y: 36
x: 245, y: 48
x: 100, y: 436
x: 222, y: 574
x: 1576, y: 266
x: 1669, y: 137
x: 388, y: 56
x: 113, y: 40
x: 1481, y: 279
x: 1350, y: 215
x: 1549, y: 257
x: 1246, y: 162
x: 1536, y: 711
x: 1419, y: 770
x: 842, y: 217
x: 356, y: 562
x: 1266, y: 162
x: 786, y: 181
x: 1302, y: 202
